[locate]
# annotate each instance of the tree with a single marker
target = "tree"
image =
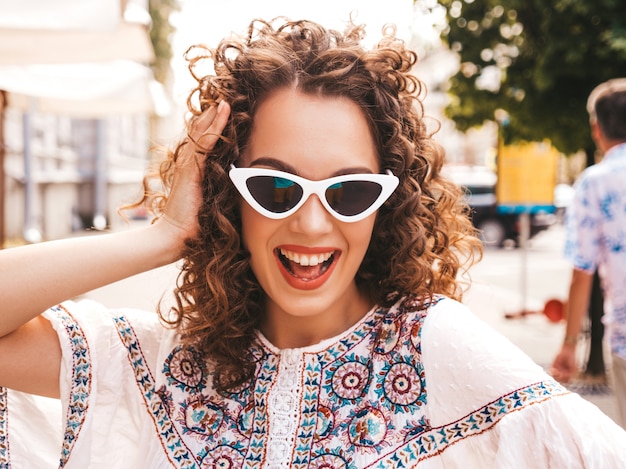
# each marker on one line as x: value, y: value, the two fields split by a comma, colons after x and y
x: 160, y: 35
x: 537, y: 60
x: 161, y: 32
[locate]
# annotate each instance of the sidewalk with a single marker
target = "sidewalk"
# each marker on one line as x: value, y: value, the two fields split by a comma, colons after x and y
x: 496, y: 292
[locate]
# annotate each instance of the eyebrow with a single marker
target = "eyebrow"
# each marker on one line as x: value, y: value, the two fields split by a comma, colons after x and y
x: 287, y: 168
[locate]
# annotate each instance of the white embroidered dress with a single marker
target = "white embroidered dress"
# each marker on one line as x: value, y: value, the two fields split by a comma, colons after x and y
x: 403, y: 388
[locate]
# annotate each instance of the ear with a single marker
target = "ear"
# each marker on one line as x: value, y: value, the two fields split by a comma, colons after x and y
x: 597, y: 135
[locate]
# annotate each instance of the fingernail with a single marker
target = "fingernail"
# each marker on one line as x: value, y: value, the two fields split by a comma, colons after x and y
x: 220, y: 106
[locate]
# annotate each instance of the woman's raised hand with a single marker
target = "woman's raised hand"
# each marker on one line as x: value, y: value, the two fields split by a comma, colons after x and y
x: 185, y: 197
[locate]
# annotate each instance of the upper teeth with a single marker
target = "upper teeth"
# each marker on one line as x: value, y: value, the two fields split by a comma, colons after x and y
x: 306, y: 259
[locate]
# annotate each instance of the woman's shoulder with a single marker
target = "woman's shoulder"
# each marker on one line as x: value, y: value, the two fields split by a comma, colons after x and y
x: 452, y: 330
x: 86, y: 327
x: 88, y: 314
x: 413, y: 307
x: 469, y: 362
x: 413, y: 302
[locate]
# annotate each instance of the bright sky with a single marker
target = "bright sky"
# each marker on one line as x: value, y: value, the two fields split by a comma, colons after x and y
x: 204, y: 21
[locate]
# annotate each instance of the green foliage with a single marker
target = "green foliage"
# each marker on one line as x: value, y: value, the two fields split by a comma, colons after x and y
x: 547, y: 56
x: 160, y: 34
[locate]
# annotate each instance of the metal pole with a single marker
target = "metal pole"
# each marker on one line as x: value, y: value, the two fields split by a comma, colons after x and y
x: 31, y: 234
x: 100, y: 177
x: 524, y: 237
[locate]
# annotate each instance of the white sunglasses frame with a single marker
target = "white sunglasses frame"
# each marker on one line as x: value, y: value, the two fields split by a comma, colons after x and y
x: 388, y: 183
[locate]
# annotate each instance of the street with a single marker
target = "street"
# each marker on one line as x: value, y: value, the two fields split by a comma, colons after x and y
x: 509, y: 281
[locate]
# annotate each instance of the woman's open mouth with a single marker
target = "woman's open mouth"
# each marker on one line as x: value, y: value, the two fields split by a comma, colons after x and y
x: 306, y: 271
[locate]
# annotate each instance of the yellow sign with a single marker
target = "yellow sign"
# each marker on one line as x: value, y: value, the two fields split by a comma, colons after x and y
x: 526, y: 175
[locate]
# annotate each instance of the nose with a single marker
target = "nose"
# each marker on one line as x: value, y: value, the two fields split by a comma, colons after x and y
x: 312, y: 218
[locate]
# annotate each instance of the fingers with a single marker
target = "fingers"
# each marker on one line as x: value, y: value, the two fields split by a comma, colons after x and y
x: 208, y: 127
x: 185, y: 197
x: 562, y: 376
x: 563, y: 368
x: 204, y: 132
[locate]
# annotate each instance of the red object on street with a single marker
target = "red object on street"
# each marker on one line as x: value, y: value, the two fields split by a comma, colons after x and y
x: 554, y: 310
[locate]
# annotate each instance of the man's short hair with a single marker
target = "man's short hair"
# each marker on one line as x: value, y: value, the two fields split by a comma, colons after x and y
x: 607, y: 106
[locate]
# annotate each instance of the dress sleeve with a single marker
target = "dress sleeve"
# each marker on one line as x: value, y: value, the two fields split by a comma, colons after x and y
x: 30, y: 431
x: 492, y: 406
x: 100, y: 406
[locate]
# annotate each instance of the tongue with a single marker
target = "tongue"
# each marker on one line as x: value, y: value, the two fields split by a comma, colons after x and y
x: 305, y: 273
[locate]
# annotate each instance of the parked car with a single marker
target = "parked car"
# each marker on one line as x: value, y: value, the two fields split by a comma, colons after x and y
x: 495, y: 228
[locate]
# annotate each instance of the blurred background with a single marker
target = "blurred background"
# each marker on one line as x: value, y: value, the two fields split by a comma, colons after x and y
x: 88, y: 88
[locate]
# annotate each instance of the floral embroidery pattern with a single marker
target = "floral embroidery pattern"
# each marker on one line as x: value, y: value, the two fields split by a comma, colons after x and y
x: 367, y: 427
x: 416, y: 334
x: 224, y: 457
x: 358, y: 403
x: 402, y: 384
x: 309, y: 430
x: 257, y: 442
x: 245, y: 419
x: 329, y: 461
x: 201, y: 417
x: 184, y: 369
x: 325, y: 422
x: 350, y: 380
x: 388, y: 335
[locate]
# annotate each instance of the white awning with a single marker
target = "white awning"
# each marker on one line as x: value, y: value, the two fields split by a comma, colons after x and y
x: 43, y: 46
x: 79, y: 58
x: 70, y: 31
x: 61, y: 14
x: 84, y: 90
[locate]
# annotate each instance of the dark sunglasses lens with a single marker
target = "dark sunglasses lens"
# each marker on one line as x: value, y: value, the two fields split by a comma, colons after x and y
x: 275, y: 194
x: 352, y: 197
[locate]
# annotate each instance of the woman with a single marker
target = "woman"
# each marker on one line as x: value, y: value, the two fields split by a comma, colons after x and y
x: 315, y: 321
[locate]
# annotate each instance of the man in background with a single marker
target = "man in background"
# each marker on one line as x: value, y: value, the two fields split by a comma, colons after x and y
x: 596, y: 238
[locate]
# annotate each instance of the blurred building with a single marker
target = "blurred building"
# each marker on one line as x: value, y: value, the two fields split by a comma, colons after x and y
x: 78, y: 96
x: 68, y: 174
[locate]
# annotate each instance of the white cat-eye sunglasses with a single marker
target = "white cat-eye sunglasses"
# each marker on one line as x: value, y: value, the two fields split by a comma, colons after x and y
x: 277, y: 194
